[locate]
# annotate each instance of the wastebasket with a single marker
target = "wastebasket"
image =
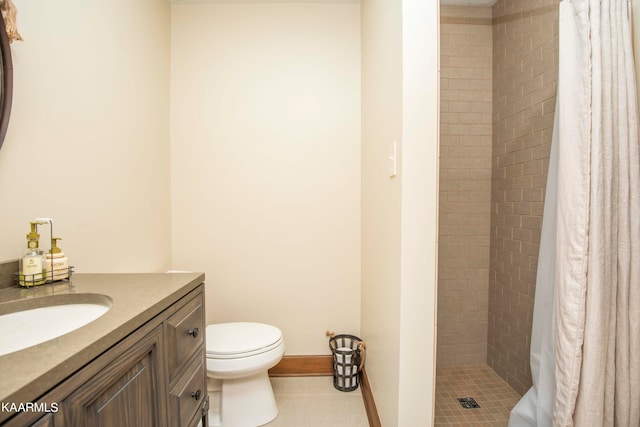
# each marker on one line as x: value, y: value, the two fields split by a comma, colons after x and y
x: 348, y: 360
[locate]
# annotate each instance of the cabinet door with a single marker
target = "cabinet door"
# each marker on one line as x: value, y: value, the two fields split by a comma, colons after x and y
x: 185, y: 336
x: 185, y: 398
x: 46, y: 421
x: 130, y: 391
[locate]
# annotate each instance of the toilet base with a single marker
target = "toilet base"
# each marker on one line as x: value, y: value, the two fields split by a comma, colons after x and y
x: 243, y: 402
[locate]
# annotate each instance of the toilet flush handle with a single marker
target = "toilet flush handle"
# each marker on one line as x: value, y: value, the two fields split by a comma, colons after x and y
x: 193, y: 332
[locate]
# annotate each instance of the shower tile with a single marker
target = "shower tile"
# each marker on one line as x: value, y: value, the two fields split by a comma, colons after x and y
x: 495, y: 397
x: 525, y: 42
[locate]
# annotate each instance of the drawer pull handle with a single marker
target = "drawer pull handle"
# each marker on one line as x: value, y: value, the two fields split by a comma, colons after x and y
x: 193, y: 332
x: 196, y: 394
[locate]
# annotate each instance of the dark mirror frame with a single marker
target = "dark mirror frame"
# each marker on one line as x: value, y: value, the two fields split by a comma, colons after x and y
x: 6, y: 85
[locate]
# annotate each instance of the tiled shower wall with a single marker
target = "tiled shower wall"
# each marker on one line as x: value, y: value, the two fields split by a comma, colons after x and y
x: 499, y: 67
x: 525, y: 64
x: 465, y: 185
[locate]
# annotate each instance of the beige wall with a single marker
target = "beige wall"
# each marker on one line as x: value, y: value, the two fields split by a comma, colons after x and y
x: 265, y: 108
x: 525, y: 70
x: 381, y: 200
x: 465, y: 184
x: 88, y: 141
x: 419, y: 250
x: 280, y: 240
x: 400, y: 103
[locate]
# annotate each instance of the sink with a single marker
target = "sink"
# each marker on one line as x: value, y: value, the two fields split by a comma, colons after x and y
x: 28, y: 322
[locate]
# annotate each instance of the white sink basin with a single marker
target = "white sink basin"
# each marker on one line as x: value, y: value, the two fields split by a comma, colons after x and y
x: 54, y: 317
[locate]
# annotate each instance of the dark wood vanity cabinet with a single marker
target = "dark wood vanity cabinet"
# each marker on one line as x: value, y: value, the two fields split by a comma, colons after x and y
x: 127, y: 392
x: 186, y: 363
x: 155, y: 377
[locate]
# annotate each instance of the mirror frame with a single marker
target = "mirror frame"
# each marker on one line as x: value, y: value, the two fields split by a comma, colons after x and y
x: 6, y: 85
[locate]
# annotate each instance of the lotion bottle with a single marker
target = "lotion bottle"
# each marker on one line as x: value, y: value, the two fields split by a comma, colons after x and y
x: 57, y: 264
x: 32, y: 264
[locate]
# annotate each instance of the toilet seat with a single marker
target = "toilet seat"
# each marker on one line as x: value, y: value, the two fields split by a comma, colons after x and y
x: 241, y: 339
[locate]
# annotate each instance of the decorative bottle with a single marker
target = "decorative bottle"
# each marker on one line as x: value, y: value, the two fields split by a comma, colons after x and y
x: 32, y: 264
x: 57, y: 264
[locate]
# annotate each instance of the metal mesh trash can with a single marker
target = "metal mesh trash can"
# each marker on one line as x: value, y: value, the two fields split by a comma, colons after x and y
x: 348, y: 360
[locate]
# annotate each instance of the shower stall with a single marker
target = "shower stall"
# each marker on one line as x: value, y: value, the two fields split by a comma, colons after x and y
x: 563, y: 227
x: 499, y: 72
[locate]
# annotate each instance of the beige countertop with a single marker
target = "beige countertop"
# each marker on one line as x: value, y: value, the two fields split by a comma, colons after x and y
x: 136, y: 298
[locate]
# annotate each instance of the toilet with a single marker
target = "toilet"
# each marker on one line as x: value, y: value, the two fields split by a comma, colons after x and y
x: 238, y: 357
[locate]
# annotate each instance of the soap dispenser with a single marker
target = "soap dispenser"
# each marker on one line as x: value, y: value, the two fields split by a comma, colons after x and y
x: 32, y: 264
x: 57, y: 263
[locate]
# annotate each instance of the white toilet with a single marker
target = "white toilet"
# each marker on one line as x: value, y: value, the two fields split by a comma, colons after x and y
x: 238, y: 357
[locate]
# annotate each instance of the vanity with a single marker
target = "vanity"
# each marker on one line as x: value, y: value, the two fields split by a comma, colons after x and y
x: 141, y: 363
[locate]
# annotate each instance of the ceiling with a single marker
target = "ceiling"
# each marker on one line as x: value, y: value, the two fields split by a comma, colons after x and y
x: 263, y: 1
x: 468, y: 2
x: 443, y: 2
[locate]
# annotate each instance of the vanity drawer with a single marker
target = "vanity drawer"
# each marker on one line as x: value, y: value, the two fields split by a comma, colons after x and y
x: 187, y: 396
x: 185, y: 335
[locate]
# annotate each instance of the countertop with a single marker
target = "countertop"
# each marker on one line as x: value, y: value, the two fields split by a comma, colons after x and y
x: 136, y: 298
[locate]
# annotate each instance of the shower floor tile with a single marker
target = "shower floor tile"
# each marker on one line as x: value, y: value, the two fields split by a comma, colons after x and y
x: 495, y: 397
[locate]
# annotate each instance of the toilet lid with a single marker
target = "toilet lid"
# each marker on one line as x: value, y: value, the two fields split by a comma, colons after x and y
x: 237, y: 338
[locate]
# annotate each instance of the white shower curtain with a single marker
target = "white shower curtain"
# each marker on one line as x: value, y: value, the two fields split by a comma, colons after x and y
x: 536, y: 406
x: 596, y: 285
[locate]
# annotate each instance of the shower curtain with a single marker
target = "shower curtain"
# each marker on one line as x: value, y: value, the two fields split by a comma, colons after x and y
x: 585, y: 347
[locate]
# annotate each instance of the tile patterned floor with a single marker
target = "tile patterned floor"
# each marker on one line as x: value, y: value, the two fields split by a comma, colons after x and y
x: 495, y: 397
x: 314, y: 402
